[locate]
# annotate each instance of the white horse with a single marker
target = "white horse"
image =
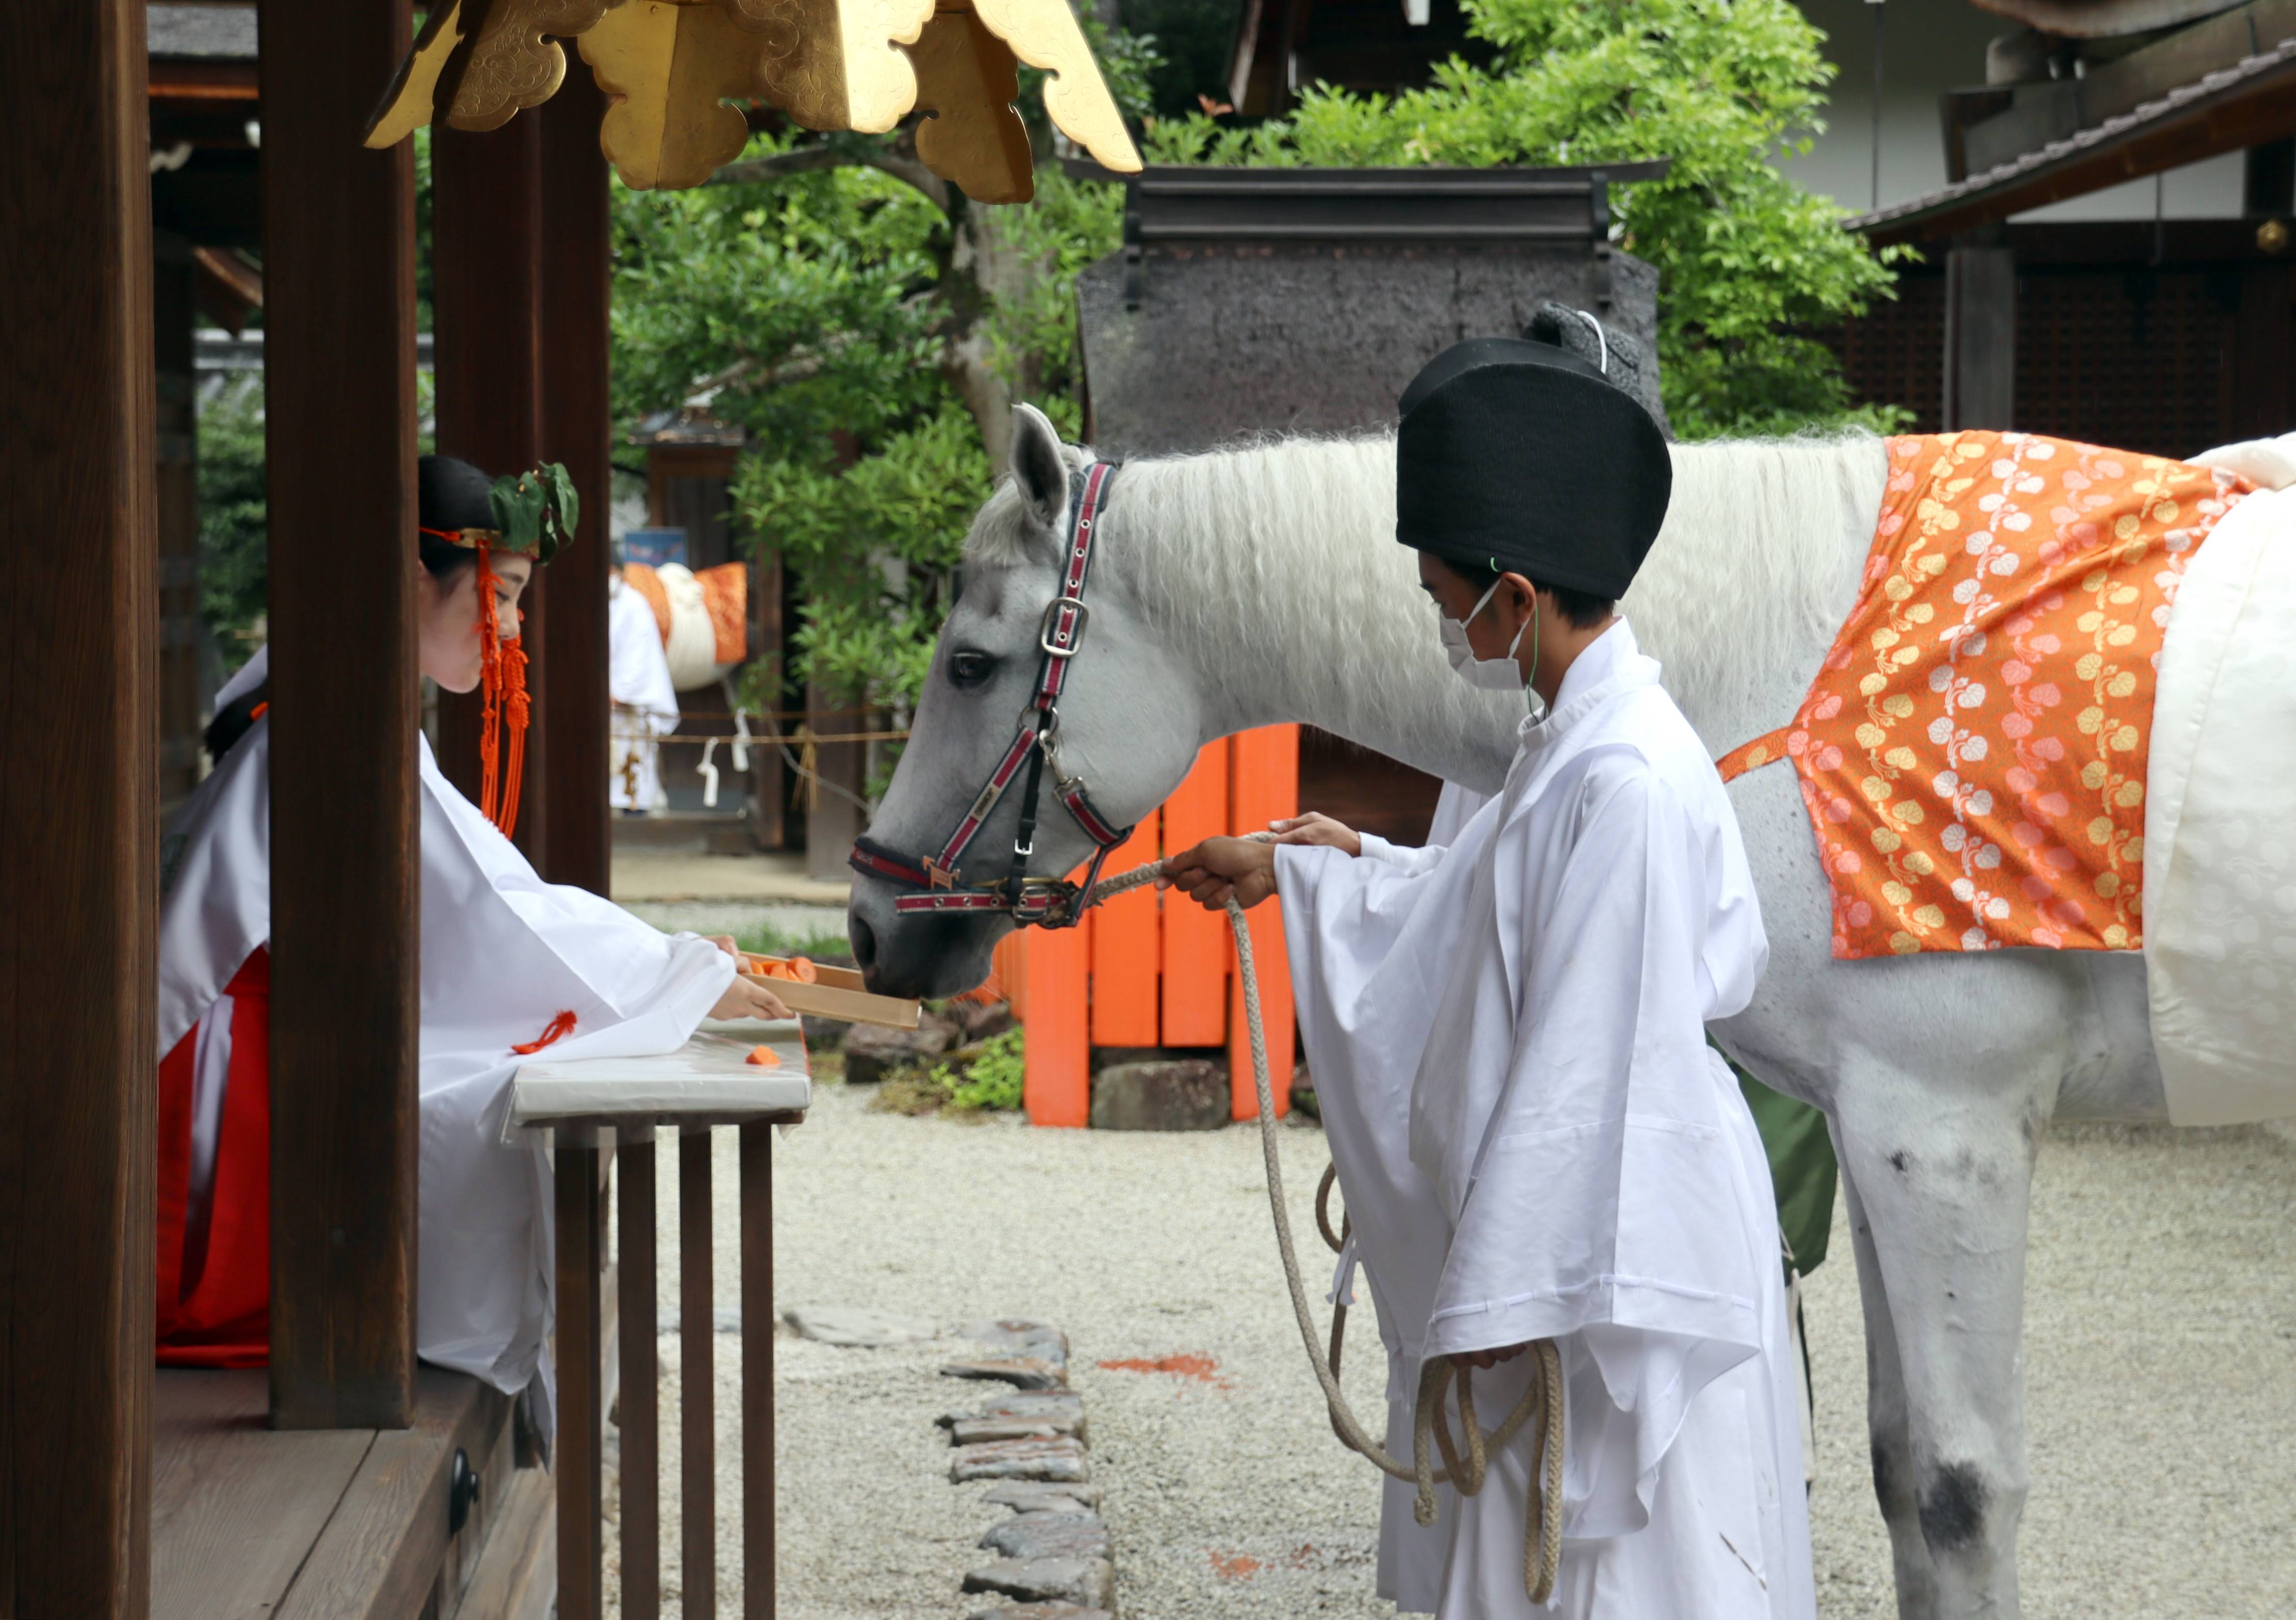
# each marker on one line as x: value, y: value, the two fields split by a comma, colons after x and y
x: 1263, y: 585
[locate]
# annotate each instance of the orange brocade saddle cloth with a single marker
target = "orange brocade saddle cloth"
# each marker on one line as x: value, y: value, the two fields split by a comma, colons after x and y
x: 1973, y: 751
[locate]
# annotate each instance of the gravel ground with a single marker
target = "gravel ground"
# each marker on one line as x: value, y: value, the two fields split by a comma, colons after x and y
x: 739, y: 917
x: 2161, y: 1356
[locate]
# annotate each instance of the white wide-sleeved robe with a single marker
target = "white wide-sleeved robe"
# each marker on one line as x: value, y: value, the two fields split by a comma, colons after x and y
x: 645, y: 705
x: 1536, y: 1143
x: 503, y: 953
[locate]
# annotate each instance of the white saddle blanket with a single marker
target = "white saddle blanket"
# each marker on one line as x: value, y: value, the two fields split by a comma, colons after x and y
x: 2220, y: 826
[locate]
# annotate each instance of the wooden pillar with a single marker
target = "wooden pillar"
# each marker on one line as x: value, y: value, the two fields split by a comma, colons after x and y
x: 834, y: 816
x: 577, y: 426
x: 78, y: 835
x: 339, y: 273
x: 1981, y: 332
x: 2269, y: 180
x: 486, y: 280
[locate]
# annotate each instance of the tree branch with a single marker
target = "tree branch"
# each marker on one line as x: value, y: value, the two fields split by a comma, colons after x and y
x: 810, y: 159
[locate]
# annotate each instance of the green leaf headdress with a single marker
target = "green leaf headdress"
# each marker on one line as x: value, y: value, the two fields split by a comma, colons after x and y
x: 536, y: 512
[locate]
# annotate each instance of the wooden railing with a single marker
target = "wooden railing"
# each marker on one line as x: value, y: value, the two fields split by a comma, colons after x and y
x: 603, y: 1106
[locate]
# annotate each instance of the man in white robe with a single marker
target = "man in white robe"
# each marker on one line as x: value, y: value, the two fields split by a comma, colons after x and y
x: 645, y: 706
x: 1535, y: 1141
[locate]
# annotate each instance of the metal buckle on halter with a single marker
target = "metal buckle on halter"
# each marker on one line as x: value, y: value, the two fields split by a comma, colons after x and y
x: 1076, y: 637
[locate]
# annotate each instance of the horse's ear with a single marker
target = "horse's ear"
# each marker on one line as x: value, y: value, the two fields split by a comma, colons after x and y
x: 1040, y: 470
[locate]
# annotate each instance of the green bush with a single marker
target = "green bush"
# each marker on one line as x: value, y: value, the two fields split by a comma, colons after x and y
x: 992, y: 1080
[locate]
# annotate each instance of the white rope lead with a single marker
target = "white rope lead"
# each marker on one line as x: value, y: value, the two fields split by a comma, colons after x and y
x: 1430, y: 1431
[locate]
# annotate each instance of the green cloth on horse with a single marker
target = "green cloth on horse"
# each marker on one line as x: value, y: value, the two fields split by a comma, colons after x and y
x: 1802, y: 1168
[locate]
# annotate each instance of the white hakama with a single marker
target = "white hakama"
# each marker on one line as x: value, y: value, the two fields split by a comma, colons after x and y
x: 1528, y: 1017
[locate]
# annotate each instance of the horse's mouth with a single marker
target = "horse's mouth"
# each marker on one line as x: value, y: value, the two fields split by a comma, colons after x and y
x: 919, y: 956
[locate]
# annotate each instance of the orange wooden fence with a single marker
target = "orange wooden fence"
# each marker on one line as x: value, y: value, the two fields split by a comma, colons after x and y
x: 1152, y: 969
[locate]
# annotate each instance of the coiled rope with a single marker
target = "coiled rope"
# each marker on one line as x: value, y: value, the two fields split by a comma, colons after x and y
x: 1542, y: 1400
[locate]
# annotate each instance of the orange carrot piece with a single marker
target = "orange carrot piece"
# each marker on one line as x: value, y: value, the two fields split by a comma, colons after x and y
x: 764, y: 1057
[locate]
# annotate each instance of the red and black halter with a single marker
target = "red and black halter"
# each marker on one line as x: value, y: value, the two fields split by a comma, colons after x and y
x: 1049, y: 902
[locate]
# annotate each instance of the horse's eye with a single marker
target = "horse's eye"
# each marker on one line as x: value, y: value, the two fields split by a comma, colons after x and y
x: 968, y: 668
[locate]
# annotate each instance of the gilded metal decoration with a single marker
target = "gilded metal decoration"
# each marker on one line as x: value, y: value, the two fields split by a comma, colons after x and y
x: 667, y: 70
x: 670, y: 67
x: 966, y: 81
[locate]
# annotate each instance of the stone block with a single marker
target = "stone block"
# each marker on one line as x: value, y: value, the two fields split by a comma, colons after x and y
x: 980, y: 1020
x: 1036, y: 1496
x: 1040, y: 1611
x: 1059, y: 1460
x: 1042, y: 1405
x: 973, y: 1431
x: 1020, y: 1371
x: 1181, y: 1095
x: 1049, y: 1535
x: 857, y: 1326
x: 1022, y: 1336
x: 1087, y: 1583
x: 872, y: 1049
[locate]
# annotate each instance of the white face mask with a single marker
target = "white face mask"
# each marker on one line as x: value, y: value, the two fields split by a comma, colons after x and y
x: 1485, y: 674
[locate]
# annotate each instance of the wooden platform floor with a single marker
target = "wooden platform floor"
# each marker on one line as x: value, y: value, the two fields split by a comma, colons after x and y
x: 333, y: 1524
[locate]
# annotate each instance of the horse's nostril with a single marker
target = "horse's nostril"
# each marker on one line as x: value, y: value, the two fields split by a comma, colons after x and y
x: 864, y: 939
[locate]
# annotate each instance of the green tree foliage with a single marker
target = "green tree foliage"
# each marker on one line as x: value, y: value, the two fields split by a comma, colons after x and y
x: 233, y: 517
x: 1746, y: 257
x: 870, y: 328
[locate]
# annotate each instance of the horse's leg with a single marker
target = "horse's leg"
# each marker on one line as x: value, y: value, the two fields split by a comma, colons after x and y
x: 1887, y: 1426
x: 1941, y: 1177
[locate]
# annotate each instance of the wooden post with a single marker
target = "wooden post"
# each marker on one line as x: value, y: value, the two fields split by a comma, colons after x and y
x: 759, y: 1517
x: 640, y: 1423
x: 697, y: 1401
x: 1263, y: 784
x: 581, y: 1241
x: 2269, y: 180
x: 79, y: 832
x: 1196, y: 941
x: 1125, y: 950
x: 577, y: 425
x: 1981, y: 332
x: 486, y: 260
x: 338, y: 272
x: 1057, y: 1088
x: 832, y: 817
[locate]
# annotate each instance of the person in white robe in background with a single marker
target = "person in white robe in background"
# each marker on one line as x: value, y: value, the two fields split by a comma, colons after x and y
x: 503, y: 955
x: 645, y: 706
x: 1507, y: 1037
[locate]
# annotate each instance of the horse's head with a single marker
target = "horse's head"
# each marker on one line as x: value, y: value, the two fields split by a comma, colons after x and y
x: 1131, y: 718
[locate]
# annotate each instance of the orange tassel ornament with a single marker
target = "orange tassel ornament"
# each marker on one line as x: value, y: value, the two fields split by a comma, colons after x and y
x: 505, y: 708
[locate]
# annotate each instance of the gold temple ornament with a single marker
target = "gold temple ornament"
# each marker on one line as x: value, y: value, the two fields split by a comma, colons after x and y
x: 670, y: 67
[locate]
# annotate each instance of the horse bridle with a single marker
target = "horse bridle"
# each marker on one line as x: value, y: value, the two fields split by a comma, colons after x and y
x: 1046, y: 902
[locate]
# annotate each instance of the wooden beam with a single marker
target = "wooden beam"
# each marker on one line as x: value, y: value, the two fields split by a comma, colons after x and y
x: 581, y: 1243
x: 338, y: 272
x: 1981, y: 333
x: 486, y: 278
x: 79, y: 878
x: 577, y: 426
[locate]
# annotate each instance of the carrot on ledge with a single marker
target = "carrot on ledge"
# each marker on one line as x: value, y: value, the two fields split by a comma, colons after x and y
x: 764, y: 1057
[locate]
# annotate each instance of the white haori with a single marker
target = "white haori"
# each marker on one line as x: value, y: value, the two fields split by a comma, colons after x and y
x: 503, y: 952
x: 1587, y: 1171
x: 2219, y: 841
x: 645, y: 706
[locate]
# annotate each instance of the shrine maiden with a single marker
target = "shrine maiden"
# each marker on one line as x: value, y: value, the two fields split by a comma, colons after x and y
x: 644, y: 703
x: 509, y: 964
x: 1519, y: 1026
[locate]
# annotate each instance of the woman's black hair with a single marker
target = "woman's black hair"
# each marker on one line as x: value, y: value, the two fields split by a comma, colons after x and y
x: 450, y: 496
x: 1583, y: 610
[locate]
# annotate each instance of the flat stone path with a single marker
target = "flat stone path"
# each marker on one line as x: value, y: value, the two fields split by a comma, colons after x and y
x: 2160, y: 1365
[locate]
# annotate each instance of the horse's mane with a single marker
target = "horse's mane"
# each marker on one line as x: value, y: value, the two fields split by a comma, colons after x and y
x: 1255, y: 556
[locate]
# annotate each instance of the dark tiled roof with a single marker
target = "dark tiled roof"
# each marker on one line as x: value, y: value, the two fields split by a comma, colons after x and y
x: 2028, y: 169
x: 201, y: 33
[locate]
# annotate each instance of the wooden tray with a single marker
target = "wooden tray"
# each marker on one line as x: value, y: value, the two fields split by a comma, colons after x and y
x: 837, y: 994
